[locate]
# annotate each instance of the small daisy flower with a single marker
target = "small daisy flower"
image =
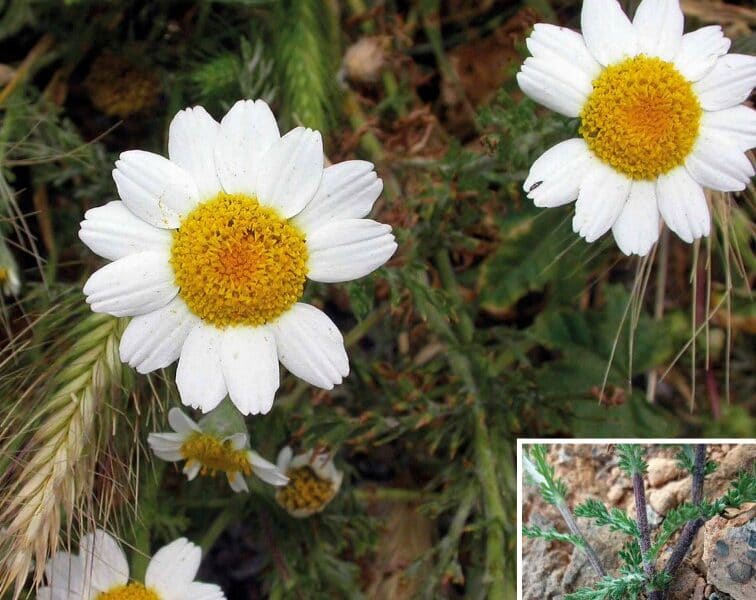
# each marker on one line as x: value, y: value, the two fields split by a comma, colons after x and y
x: 207, y: 453
x: 10, y: 282
x: 101, y: 572
x: 661, y: 117
x: 313, y: 482
x: 212, y: 247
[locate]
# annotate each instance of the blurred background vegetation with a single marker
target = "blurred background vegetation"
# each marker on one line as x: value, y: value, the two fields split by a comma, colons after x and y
x: 492, y: 322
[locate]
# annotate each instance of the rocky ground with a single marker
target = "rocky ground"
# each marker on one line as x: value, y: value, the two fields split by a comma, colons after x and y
x: 722, y: 562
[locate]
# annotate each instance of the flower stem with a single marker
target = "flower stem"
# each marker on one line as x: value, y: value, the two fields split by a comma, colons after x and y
x: 575, y: 530
x: 231, y: 513
x: 645, y: 535
x: 691, y: 527
x: 484, y: 455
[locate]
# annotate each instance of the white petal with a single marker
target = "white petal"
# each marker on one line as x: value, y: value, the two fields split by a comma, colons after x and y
x: 348, y: 249
x: 166, y: 446
x: 717, y: 163
x: 180, y: 422
x: 602, y: 196
x: 284, y: 458
x: 560, y: 44
x: 191, y: 469
x: 608, y: 33
x: 682, y: 205
x: 737, y: 124
x: 173, y: 568
x: 133, y: 285
x: 104, y: 559
x: 348, y: 190
x: 267, y: 471
x: 290, y: 172
x: 237, y: 482
x: 199, y: 375
x: 191, y: 144
x: 729, y: 83
x: 659, y: 27
x: 549, y: 83
x: 250, y: 366
x: 154, y: 341
x: 64, y: 573
x: 113, y: 231
x: 154, y: 189
x: 699, y: 51
x: 555, y: 178
x: 247, y: 131
x: 637, y: 228
x: 311, y: 346
x: 201, y: 591
x: 237, y: 440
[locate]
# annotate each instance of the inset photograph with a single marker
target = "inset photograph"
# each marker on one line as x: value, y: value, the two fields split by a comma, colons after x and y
x: 660, y: 521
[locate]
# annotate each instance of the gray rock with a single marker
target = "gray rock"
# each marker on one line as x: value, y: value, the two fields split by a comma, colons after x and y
x: 731, y: 568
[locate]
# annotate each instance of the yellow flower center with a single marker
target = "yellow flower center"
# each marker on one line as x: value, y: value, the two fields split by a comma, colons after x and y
x: 237, y: 262
x: 642, y: 117
x: 215, y: 455
x: 3, y: 274
x: 132, y: 591
x: 305, y: 490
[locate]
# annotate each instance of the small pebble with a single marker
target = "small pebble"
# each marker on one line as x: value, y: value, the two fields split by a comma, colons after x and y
x: 740, y: 572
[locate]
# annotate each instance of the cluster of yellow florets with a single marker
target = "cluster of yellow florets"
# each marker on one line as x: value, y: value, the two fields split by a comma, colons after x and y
x: 305, y: 490
x: 215, y: 455
x: 119, y: 88
x: 132, y: 591
x: 238, y: 263
x: 642, y: 117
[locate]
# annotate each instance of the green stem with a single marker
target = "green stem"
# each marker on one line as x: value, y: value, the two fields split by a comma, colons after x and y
x: 148, y: 506
x: 231, y: 513
x: 484, y: 455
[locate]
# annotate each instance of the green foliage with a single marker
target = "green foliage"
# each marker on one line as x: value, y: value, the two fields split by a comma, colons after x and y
x: 631, y: 459
x: 552, y: 535
x: 627, y: 586
x: 615, y: 519
x: 553, y: 489
x: 305, y: 53
x: 686, y: 460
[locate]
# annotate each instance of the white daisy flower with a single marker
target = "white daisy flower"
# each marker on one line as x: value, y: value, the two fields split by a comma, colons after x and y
x: 207, y: 453
x: 661, y: 118
x: 314, y: 481
x: 101, y: 572
x: 212, y: 246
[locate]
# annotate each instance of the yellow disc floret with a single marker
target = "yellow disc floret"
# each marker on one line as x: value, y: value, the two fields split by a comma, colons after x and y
x: 215, y: 455
x: 642, y: 117
x: 305, y: 490
x: 132, y: 591
x: 237, y: 262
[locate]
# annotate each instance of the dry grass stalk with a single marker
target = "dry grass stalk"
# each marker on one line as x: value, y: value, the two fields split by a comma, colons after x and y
x: 55, y: 469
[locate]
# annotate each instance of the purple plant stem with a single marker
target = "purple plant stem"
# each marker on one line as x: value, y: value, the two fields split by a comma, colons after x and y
x: 645, y: 535
x: 691, y: 527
